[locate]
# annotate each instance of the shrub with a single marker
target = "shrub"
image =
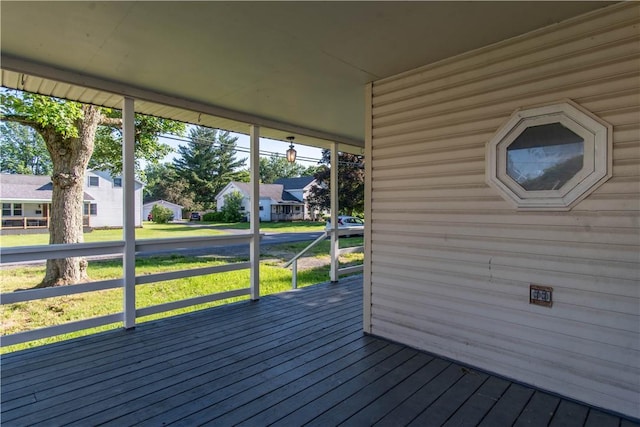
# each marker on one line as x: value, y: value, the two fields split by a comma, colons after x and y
x: 161, y: 215
x: 231, y: 209
x: 213, y: 217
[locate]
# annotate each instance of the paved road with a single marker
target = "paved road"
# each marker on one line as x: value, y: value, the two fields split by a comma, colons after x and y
x: 231, y: 250
x: 243, y: 249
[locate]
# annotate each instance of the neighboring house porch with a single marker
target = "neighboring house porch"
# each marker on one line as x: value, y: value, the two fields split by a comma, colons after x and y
x: 26, y: 201
x: 300, y: 188
x: 276, y: 204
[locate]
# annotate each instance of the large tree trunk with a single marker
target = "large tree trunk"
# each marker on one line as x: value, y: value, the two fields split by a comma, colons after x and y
x: 70, y: 157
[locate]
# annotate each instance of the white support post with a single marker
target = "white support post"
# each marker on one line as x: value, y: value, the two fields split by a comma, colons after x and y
x: 254, y: 211
x: 294, y: 274
x: 368, y: 160
x: 334, y: 213
x: 129, y: 211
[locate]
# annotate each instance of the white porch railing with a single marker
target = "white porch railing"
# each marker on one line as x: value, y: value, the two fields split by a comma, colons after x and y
x: 28, y: 222
x: 115, y: 248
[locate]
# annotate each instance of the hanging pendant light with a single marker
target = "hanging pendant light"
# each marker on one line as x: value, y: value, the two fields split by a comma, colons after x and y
x: 291, y: 152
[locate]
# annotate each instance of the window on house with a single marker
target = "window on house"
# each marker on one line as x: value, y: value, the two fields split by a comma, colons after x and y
x: 117, y: 182
x: 298, y: 208
x: 90, y: 209
x: 6, y: 209
x: 549, y: 157
x: 545, y: 157
x: 94, y: 181
x: 242, y: 208
x: 261, y: 208
x: 17, y: 209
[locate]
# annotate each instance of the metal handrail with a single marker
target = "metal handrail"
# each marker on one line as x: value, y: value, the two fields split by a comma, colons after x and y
x: 323, y: 236
x: 342, y: 231
x: 294, y: 261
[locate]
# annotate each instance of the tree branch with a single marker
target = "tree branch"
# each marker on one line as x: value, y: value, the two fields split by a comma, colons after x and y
x: 16, y: 118
x: 110, y: 121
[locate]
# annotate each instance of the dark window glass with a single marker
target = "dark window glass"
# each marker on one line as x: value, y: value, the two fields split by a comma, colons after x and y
x: 90, y: 209
x: 545, y: 157
x: 17, y: 209
x: 117, y: 182
x: 94, y: 181
x: 6, y: 209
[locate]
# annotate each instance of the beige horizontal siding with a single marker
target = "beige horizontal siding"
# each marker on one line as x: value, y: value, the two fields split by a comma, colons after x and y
x: 451, y: 261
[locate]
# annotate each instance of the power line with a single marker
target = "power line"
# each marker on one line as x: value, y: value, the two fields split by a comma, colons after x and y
x: 237, y: 149
x: 247, y: 150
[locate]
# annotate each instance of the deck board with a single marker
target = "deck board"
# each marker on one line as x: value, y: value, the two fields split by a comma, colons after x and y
x: 290, y: 359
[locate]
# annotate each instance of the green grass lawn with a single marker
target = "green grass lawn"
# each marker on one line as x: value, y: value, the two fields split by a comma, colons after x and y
x: 275, y: 227
x: 53, y: 311
x: 151, y: 230
x: 321, y: 248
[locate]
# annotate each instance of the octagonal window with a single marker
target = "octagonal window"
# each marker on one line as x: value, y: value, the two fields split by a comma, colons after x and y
x: 549, y: 157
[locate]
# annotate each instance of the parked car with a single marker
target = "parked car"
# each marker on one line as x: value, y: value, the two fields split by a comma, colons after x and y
x: 352, y: 222
x: 195, y: 216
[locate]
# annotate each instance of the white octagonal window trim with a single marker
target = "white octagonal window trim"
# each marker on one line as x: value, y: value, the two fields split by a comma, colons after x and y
x: 550, y: 157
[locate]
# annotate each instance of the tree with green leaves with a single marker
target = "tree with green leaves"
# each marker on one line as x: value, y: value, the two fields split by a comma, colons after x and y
x: 276, y: 167
x: 163, y: 183
x: 350, y: 184
x: 23, y: 151
x: 208, y: 163
x: 71, y: 132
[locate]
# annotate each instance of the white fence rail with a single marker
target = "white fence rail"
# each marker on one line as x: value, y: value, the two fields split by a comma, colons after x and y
x: 115, y: 249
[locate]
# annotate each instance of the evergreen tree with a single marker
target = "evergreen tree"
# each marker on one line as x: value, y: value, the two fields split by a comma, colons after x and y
x: 163, y: 183
x: 208, y: 163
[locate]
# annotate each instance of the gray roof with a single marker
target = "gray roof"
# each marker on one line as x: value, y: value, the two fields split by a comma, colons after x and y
x: 36, y: 188
x: 295, y: 183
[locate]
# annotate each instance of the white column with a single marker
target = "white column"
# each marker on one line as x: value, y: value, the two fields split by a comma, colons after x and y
x: 334, y: 213
x: 254, y: 211
x: 367, y: 209
x: 128, y: 212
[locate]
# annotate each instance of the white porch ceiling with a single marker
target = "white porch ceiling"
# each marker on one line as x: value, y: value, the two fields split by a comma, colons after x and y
x: 292, y: 67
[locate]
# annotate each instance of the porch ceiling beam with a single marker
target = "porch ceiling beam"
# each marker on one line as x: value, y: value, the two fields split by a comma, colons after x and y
x: 27, y: 67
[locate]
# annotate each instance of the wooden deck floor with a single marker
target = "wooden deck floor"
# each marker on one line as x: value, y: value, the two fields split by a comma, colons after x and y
x: 297, y: 358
